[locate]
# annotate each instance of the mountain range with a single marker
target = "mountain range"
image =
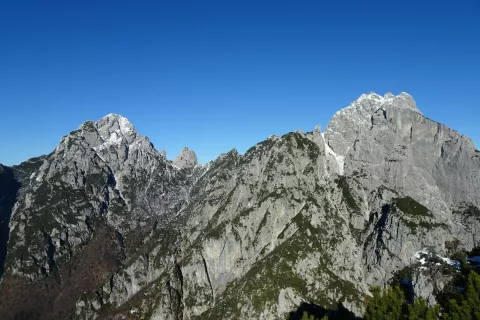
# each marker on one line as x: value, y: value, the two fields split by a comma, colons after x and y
x: 105, y: 226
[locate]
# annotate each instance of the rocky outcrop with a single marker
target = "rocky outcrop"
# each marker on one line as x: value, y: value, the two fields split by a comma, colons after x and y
x: 385, y: 140
x: 102, y: 185
x: 315, y: 217
x: 186, y: 159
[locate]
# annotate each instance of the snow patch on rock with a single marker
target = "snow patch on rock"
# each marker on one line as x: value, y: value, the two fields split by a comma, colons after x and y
x: 340, y: 160
x: 424, y: 254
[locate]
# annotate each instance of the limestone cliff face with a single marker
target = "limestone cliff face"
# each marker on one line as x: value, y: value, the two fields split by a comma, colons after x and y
x: 114, y: 229
x: 385, y: 140
x: 186, y: 159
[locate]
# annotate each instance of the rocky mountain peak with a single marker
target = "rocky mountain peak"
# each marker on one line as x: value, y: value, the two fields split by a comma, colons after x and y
x: 114, y: 127
x: 111, y: 141
x: 113, y: 119
x: 403, y: 100
x: 111, y: 130
x: 186, y: 159
x: 311, y: 216
x: 365, y: 112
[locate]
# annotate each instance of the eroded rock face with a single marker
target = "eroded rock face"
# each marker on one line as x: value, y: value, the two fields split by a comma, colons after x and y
x: 186, y: 159
x: 317, y: 217
x: 102, y: 186
x: 385, y: 140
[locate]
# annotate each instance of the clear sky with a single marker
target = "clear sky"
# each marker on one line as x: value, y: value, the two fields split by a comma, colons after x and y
x: 220, y: 75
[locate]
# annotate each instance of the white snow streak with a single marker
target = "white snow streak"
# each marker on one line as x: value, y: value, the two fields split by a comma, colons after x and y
x: 125, y: 125
x: 422, y: 256
x: 340, y: 160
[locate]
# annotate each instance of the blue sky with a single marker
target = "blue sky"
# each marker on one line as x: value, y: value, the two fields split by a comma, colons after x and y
x: 220, y: 75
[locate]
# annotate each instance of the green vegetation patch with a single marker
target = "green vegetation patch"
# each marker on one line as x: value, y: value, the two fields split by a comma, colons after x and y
x: 262, y: 223
x: 89, y: 126
x: 261, y: 146
x: 472, y: 211
x: 411, y: 207
x: 347, y: 194
x: 297, y: 140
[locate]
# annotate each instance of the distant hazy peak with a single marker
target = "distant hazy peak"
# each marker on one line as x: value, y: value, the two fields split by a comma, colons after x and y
x: 186, y: 159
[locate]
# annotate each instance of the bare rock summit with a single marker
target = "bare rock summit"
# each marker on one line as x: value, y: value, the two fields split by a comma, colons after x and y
x: 186, y: 159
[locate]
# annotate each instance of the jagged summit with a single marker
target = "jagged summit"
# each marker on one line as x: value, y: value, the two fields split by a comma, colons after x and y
x: 114, y: 127
x: 111, y: 122
x: 403, y: 100
x: 186, y: 159
x: 117, y: 121
x: 306, y: 216
x: 360, y: 115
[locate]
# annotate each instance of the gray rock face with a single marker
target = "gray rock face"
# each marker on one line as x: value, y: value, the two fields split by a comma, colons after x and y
x: 186, y: 159
x: 387, y: 141
x: 99, y: 187
x: 317, y: 217
x: 346, y: 124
